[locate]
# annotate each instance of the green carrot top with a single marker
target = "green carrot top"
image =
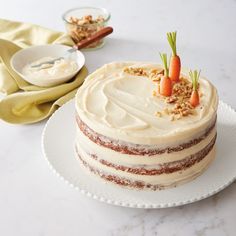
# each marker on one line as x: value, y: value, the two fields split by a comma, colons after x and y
x: 164, y: 61
x: 171, y: 37
x: 194, y: 75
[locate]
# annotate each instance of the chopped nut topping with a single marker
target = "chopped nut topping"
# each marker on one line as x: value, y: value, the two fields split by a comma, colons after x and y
x: 171, y: 99
x: 159, y: 114
x: 179, y: 100
x: 172, y: 118
x: 177, y: 117
x: 138, y: 71
x: 178, y: 103
x: 156, y: 74
x: 166, y: 111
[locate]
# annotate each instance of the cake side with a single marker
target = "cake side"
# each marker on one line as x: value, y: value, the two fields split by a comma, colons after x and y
x: 150, y: 182
x: 161, y: 170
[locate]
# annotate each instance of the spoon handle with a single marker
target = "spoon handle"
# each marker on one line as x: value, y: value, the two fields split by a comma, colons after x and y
x: 95, y: 37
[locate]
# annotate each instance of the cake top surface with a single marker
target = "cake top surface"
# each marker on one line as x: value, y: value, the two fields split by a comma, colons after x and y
x: 120, y: 101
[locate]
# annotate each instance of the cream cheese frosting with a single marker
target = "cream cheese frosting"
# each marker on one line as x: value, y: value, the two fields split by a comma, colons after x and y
x: 120, y: 105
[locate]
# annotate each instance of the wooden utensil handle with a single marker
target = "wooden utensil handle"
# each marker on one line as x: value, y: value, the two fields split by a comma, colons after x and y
x: 95, y: 37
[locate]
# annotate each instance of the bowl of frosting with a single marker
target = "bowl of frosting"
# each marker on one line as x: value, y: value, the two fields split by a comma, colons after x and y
x: 34, y: 64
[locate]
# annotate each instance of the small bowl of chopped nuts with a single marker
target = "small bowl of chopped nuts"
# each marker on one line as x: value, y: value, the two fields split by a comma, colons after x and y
x: 83, y: 22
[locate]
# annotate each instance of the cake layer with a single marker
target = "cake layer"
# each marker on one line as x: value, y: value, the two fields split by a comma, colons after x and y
x: 138, y: 149
x: 118, y: 158
x: 169, y: 167
x: 126, y: 107
x: 152, y: 182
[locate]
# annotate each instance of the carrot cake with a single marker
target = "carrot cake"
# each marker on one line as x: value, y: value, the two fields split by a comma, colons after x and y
x: 131, y: 135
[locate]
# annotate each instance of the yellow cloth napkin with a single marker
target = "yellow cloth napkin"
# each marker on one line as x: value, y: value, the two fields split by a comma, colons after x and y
x: 25, y: 103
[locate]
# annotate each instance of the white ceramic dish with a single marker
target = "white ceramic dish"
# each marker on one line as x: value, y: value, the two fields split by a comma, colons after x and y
x: 58, y: 147
x: 34, y: 53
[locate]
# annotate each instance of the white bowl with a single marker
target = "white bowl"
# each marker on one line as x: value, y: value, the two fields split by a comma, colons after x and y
x: 34, y: 53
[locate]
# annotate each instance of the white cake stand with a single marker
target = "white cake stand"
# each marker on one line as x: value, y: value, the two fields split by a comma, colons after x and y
x: 58, y: 147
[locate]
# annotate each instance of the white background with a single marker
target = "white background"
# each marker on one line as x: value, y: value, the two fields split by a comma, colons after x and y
x: 33, y: 201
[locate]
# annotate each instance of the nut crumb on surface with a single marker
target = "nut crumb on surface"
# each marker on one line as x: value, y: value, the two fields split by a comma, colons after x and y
x: 171, y: 99
x: 166, y: 111
x: 154, y: 93
x: 138, y: 71
x: 158, y: 114
x: 154, y: 74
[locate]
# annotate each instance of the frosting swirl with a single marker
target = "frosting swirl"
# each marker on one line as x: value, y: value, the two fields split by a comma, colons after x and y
x: 121, y: 106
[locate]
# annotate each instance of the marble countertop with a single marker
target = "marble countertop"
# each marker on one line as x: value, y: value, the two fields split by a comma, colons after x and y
x: 34, y: 201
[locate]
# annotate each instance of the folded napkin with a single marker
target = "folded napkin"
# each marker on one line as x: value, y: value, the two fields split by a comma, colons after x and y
x: 23, y: 102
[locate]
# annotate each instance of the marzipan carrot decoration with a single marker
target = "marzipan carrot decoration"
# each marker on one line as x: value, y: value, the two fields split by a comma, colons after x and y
x: 165, y: 83
x: 194, y: 99
x: 175, y: 63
